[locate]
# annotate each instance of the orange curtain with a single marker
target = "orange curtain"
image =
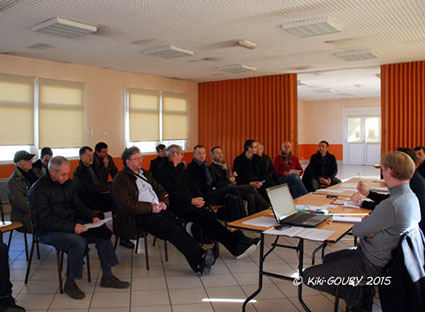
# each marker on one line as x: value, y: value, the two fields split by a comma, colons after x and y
x: 261, y: 108
x: 402, y: 105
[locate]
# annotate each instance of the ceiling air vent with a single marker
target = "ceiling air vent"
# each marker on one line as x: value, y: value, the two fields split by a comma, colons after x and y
x: 168, y: 52
x: 64, y: 28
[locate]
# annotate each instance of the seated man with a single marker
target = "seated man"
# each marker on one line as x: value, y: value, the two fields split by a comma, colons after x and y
x: 226, y: 195
x: 323, y: 168
x: 266, y: 170
x: 284, y: 164
x: 223, y: 177
x: 7, y: 302
x: 142, y: 203
x: 155, y: 163
x: 92, y: 190
x: 59, y: 218
x: 247, y: 167
x: 186, y: 203
x: 18, y: 186
x: 46, y: 154
x: 379, y: 234
x: 420, y: 154
x: 417, y: 185
x: 103, y: 162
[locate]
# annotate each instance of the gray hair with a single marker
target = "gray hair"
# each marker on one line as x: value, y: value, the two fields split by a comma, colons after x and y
x: 128, y: 152
x: 173, y: 148
x: 56, y: 163
x: 283, y: 143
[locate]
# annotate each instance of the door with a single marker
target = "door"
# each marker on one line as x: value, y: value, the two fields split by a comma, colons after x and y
x: 362, y: 144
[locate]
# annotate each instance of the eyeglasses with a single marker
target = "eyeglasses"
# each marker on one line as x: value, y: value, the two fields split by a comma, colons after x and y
x: 140, y: 158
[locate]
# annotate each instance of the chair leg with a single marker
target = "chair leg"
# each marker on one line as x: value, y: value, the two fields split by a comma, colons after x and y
x: 30, y: 261
x: 116, y: 242
x: 146, y: 251
x: 88, y: 265
x: 166, y: 250
x: 336, y: 303
x: 137, y: 243
x: 59, y: 259
x: 26, y: 245
x: 38, y: 250
x: 154, y: 241
x: 10, y: 240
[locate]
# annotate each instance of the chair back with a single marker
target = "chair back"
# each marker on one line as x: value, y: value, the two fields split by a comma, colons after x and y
x: 1, y: 210
x: 31, y: 229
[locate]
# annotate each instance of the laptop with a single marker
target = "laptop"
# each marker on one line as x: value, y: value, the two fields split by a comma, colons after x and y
x: 285, y: 211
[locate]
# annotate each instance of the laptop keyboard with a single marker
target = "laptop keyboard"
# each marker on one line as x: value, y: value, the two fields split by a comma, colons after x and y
x: 297, y: 218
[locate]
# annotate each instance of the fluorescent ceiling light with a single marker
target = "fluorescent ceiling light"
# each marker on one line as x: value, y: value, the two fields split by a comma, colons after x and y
x: 65, y: 28
x: 312, y: 27
x: 358, y: 55
x: 247, y: 44
x: 236, y: 69
x: 168, y: 52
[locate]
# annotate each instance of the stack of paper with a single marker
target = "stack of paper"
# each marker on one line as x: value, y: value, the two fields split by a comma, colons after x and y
x: 301, y: 232
x: 264, y: 222
x: 346, y: 219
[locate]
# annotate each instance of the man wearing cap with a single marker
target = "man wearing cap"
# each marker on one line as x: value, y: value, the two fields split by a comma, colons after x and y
x: 18, y: 185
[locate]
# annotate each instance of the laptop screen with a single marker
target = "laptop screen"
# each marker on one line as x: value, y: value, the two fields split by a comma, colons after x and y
x: 281, y: 200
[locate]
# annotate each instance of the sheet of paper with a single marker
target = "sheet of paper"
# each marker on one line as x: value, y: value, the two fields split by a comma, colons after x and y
x: 309, y: 207
x: 261, y: 222
x: 346, y: 219
x: 294, y: 171
x: 301, y: 232
x: 100, y: 223
x: 329, y: 191
x: 346, y: 189
x: 349, y: 185
x: 379, y: 189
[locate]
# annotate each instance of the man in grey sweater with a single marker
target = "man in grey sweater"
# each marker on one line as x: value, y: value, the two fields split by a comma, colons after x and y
x: 379, y: 234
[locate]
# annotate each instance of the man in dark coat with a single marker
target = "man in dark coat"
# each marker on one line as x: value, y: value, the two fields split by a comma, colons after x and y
x: 323, y: 168
x: 420, y: 154
x: 103, y: 162
x: 187, y: 203
x: 142, y: 203
x: 60, y: 220
x: 155, y: 163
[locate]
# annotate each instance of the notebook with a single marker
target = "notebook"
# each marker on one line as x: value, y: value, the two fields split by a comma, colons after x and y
x: 285, y: 211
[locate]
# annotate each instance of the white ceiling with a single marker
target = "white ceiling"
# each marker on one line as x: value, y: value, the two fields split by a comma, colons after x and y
x: 395, y: 29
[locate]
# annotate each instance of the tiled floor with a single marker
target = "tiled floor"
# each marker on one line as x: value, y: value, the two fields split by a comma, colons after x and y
x: 172, y: 286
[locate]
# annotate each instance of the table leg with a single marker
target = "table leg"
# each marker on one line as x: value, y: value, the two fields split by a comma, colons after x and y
x: 300, y: 272
x: 260, y: 275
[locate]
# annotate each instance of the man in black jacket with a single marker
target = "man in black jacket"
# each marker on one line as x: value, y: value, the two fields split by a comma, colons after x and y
x: 59, y: 220
x: 228, y: 196
x: 420, y: 154
x: 223, y: 177
x: 155, y: 163
x: 187, y: 202
x: 103, y: 162
x: 323, y: 167
x: 248, y: 168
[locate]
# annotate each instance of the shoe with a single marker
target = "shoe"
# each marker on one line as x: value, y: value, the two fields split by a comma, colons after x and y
x: 72, y: 290
x: 127, y: 243
x: 9, y: 305
x: 216, y: 251
x: 114, y: 282
x: 242, y: 251
x: 207, y: 261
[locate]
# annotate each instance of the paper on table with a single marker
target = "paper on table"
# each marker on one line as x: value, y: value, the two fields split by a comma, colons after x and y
x: 301, y: 232
x: 349, y: 185
x: 100, y: 223
x: 347, y: 189
x: 346, y: 219
x: 261, y: 222
x: 346, y: 203
x: 379, y: 189
x: 309, y: 207
x: 329, y: 191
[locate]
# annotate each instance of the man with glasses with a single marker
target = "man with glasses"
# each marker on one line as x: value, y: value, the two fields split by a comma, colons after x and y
x: 288, y: 170
x: 141, y: 202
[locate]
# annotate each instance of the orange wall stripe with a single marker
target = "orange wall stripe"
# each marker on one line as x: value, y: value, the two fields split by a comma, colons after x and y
x: 7, y: 169
x: 402, y: 105
x: 306, y: 150
x: 260, y: 108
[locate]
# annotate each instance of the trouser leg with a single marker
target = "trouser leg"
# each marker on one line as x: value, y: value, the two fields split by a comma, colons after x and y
x: 260, y: 203
x: 164, y: 226
x: 315, y: 184
x: 230, y: 197
x: 74, y: 245
x: 345, y: 265
x: 296, y: 186
x: 5, y: 284
x: 335, y: 180
x: 105, y: 252
x: 207, y: 220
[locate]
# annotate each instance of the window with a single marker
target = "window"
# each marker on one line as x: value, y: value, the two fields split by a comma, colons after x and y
x: 154, y: 117
x: 40, y: 112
